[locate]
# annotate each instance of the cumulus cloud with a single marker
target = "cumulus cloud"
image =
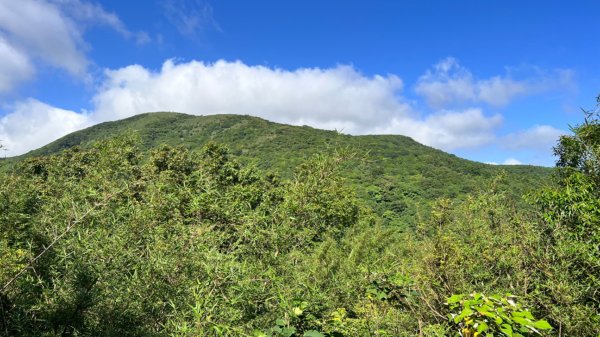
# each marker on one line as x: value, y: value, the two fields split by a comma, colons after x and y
x: 313, y: 96
x: 539, y: 137
x: 447, y: 130
x: 448, y: 83
x: 32, y: 124
x: 335, y: 98
x: 49, y: 32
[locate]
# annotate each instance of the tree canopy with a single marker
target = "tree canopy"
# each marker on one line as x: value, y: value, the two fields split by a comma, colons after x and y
x: 115, y: 239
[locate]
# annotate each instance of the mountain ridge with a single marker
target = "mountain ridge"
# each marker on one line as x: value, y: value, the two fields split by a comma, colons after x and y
x: 395, y: 174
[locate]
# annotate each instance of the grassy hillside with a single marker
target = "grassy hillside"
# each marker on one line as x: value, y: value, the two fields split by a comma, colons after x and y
x: 397, y: 176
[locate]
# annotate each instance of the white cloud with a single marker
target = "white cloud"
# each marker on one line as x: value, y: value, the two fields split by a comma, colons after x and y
x: 449, y: 84
x: 512, y: 161
x: 49, y: 32
x: 15, y: 66
x: 447, y: 130
x: 500, y: 90
x: 32, y: 124
x: 323, y: 98
x: 539, y: 137
x: 85, y: 13
x: 41, y: 29
x: 190, y: 17
x: 336, y: 98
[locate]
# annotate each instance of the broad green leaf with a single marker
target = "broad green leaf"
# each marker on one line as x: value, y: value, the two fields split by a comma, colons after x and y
x: 522, y: 321
x: 542, y: 325
x: 507, y: 330
x: 288, y: 332
x: 454, y: 299
x: 313, y: 333
x: 527, y: 315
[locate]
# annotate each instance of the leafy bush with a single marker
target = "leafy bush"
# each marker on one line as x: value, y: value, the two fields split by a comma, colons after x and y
x: 479, y: 315
x: 113, y: 240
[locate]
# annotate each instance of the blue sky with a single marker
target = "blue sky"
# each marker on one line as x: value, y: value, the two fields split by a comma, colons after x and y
x: 492, y: 81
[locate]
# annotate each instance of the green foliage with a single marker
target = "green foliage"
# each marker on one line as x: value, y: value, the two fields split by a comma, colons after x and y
x: 184, y: 243
x: 479, y: 315
x: 294, y: 324
x: 124, y: 238
x: 570, y: 215
x: 133, y: 244
x: 580, y: 152
x: 406, y: 176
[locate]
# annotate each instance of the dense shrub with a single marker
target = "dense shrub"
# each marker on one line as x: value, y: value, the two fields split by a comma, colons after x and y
x: 111, y: 240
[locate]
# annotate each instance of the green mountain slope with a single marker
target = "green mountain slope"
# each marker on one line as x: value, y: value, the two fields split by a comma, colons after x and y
x: 395, y: 175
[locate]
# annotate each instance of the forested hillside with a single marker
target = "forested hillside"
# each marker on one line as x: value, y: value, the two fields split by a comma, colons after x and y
x: 396, y: 175
x: 123, y: 236
x: 163, y: 174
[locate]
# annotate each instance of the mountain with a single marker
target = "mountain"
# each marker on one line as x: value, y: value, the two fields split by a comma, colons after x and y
x: 395, y: 175
x: 128, y: 237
